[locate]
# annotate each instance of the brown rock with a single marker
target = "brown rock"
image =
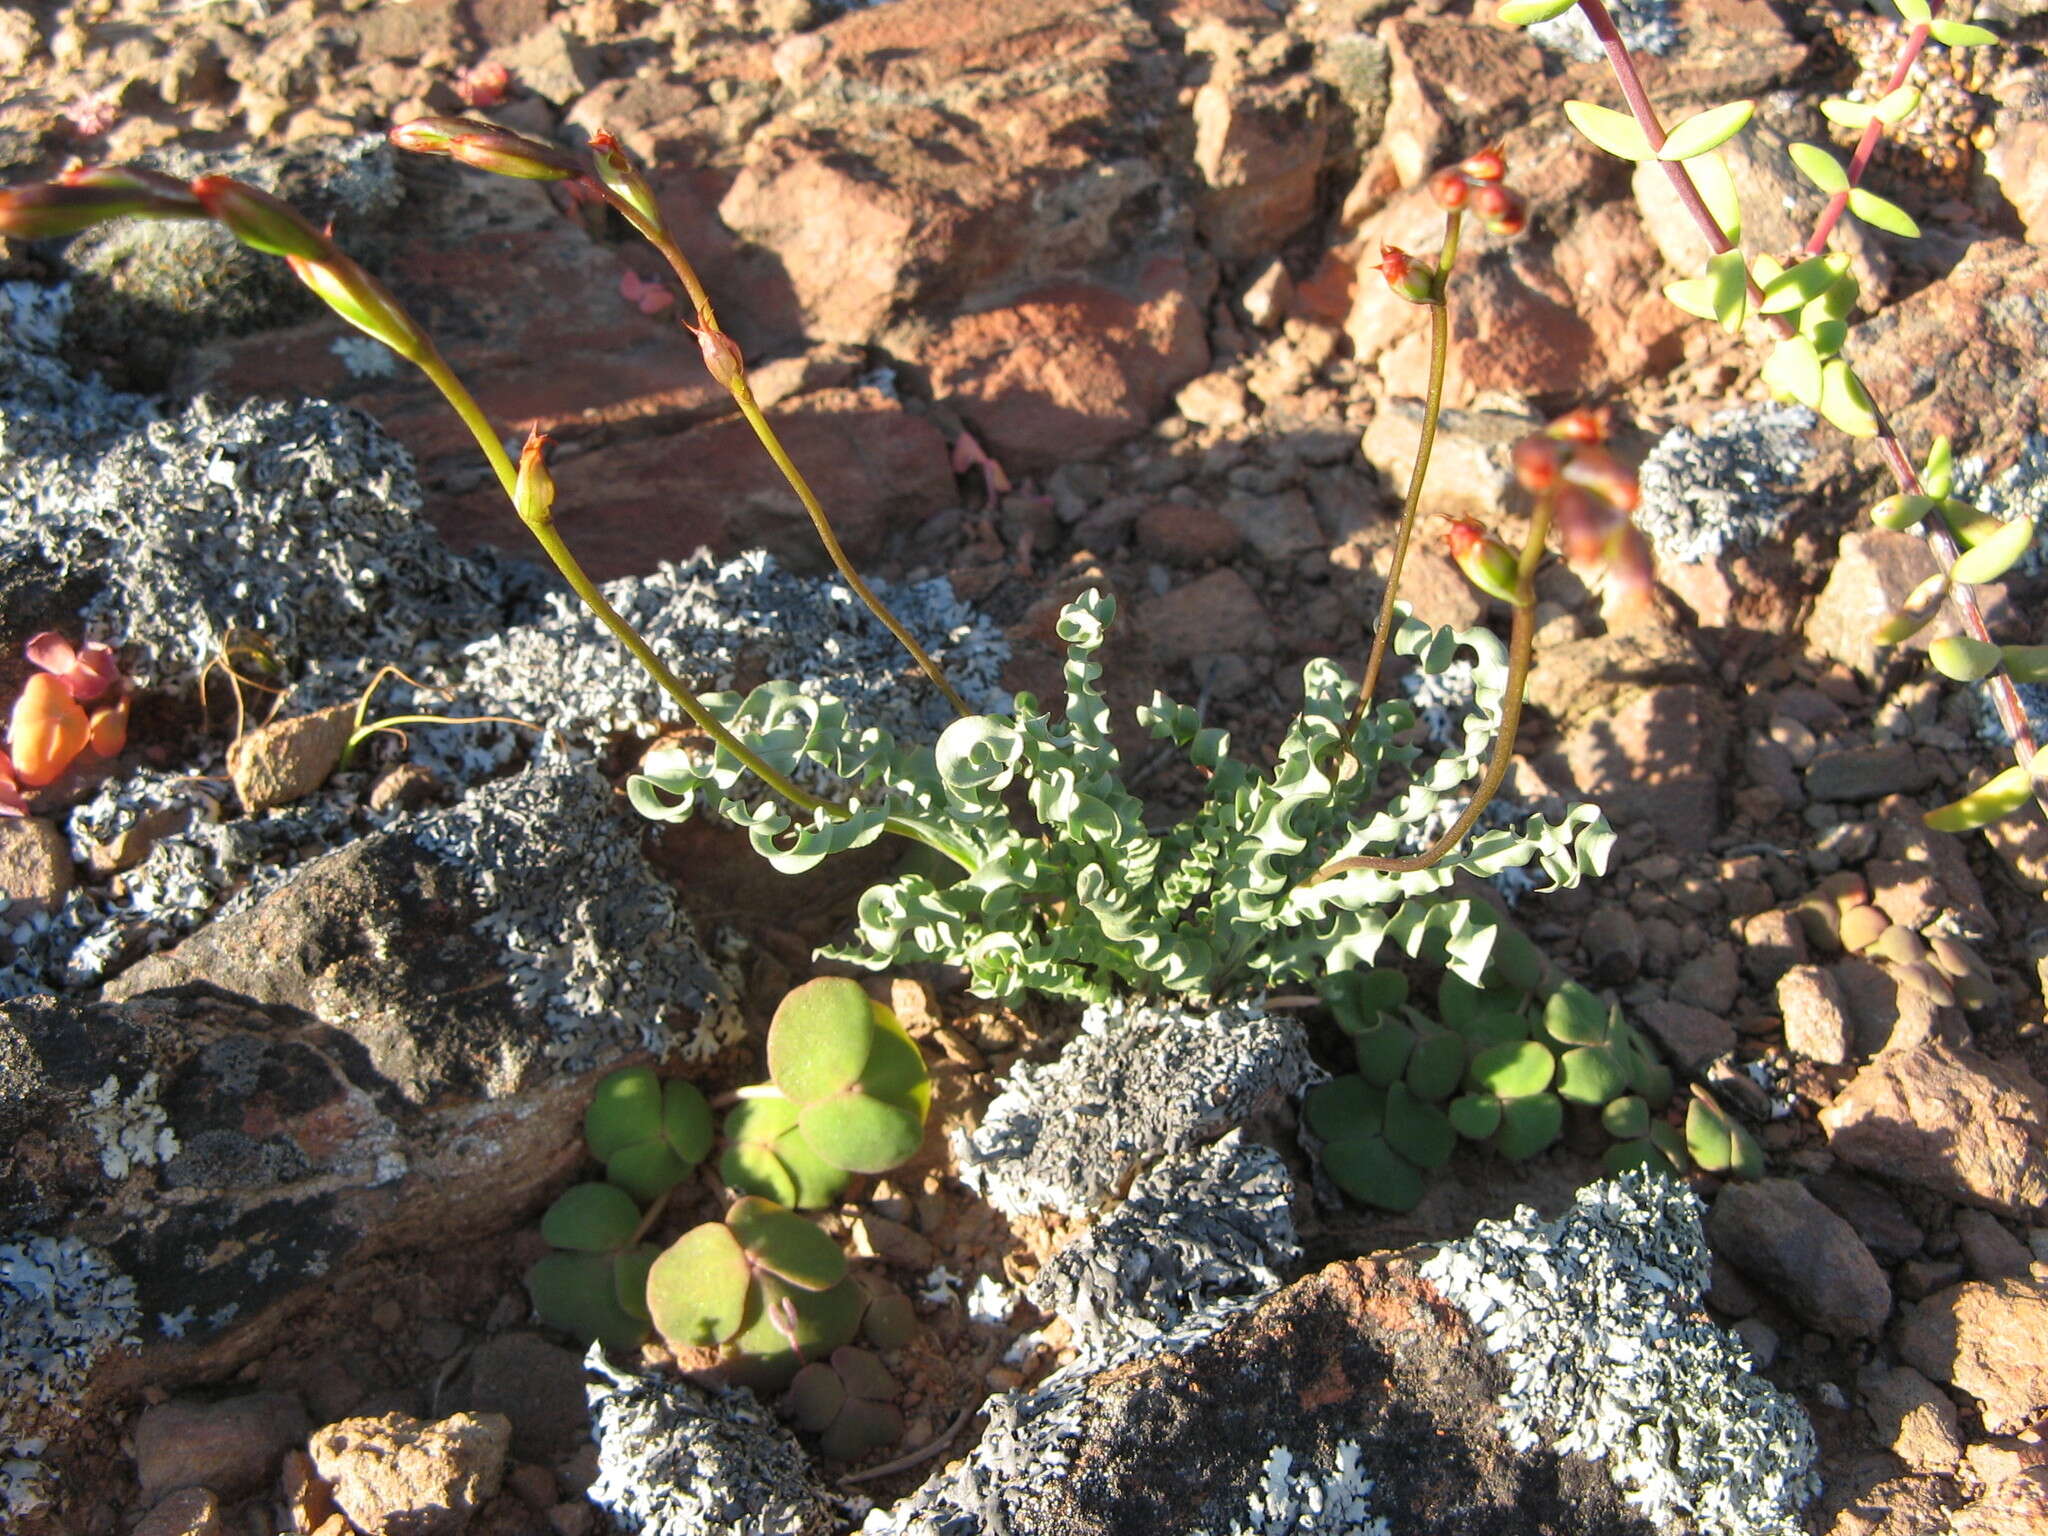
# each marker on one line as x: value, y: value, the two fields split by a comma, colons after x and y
x: 1584, y: 680
x: 1711, y: 980
x: 1259, y: 146
x: 1991, y: 1252
x: 188, y: 1512
x: 1068, y: 371
x: 1914, y: 1419
x: 1187, y: 535
x: 1879, y: 1219
x: 1444, y: 75
x: 1214, y: 400
x: 1217, y: 614
x: 1984, y: 1337
x: 1950, y: 1119
x: 1471, y: 472
x: 287, y: 760
x: 1691, y: 1037
x: 35, y: 867
x: 231, y: 1447
x: 397, y: 1476
x: 1873, y: 572
x: 1655, y: 762
x: 1772, y: 943
x: 552, y: 63
x: 2018, y: 162
x: 1884, y: 1015
x: 1816, y: 1019
x: 535, y: 1384
x: 2017, y: 1506
x: 1775, y: 1232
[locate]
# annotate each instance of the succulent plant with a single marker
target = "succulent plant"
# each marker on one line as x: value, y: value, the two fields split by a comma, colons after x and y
x: 595, y: 1284
x: 766, y: 1155
x: 648, y: 1134
x: 848, y: 1402
x: 853, y: 1075
x: 1717, y: 1142
x: 1839, y: 914
x: 764, y: 1285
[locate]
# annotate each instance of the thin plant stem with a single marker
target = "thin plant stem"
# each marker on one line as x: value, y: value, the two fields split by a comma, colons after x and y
x: 743, y: 397
x: 1432, y: 408
x: 2004, y: 696
x: 1521, y: 652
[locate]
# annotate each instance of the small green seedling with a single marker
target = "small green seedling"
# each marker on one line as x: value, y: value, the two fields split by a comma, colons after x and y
x: 848, y: 1402
x: 595, y: 1284
x: 648, y: 1134
x: 853, y: 1074
x: 764, y: 1285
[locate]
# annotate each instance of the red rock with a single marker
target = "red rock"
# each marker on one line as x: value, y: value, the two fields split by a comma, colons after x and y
x: 188, y: 1512
x: 1949, y: 1119
x: 1655, y: 761
x: 397, y: 1476
x: 1816, y: 1019
x: 1071, y: 370
x: 1185, y: 535
x: 1259, y: 146
x: 1874, y: 571
x: 1985, y: 1338
x: 1218, y: 614
x: 2017, y: 1506
x: 231, y: 1447
x: 2018, y: 162
x: 287, y: 760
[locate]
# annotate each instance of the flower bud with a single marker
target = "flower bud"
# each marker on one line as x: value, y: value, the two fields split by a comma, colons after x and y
x: 1585, y: 424
x: 1488, y: 165
x: 1630, y: 569
x: 1487, y: 563
x: 12, y: 801
x: 623, y: 179
x: 363, y: 302
x: 533, y: 493
x: 1538, y: 462
x: 1449, y: 188
x: 722, y: 357
x: 1410, y: 279
x: 1583, y: 522
x: 81, y: 199
x: 260, y: 221
x: 485, y: 146
x: 47, y: 730
x: 1606, y: 476
x: 1511, y: 218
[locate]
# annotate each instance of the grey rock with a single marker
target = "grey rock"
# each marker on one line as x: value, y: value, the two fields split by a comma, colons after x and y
x: 1777, y: 1233
x: 1869, y: 773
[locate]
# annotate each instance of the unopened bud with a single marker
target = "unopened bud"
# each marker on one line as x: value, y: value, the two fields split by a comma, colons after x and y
x: 81, y: 199
x: 722, y: 357
x: 363, y: 302
x: 1584, y: 523
x: 1487, y: 563
x: 485, y: 146
x: 1410, y: 279
x: 1488, y: 165
x: 533, y: 493
x: 1450, y: 188
x: 1511, y: 218
x: 1538, y: 462
x: 1585, y: 424
x: 1602, y: 473
x: 1630, y: 570
x: 622, y: 178
x: 260, y: 221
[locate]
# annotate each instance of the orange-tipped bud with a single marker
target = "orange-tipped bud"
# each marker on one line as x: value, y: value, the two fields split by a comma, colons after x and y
x: 1602, y: 473
x: 1410, y: 279
x: 48, y: 730
x: 363, y: 302
x: 1487, y: 563
x: 1450, y: 188
x: 533, y: 493
x: 1538, y: 462
x: 260, y: 221
x: 722, y: 357
x: 1586, y: 424
x: 623, y: 179
x: 485, y: 146
x: 81, y: 199
x: 1511, y: 216
x: 1488, y: 165
x: 107, y: 730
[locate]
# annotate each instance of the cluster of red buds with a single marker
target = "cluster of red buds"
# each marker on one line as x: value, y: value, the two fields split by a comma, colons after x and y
x: 1591, y: 494
x: 1475, y: 183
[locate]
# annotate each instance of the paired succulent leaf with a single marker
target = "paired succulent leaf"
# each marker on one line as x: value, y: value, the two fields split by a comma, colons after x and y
x: 1717, y: 1142
x: 648, y: 1134
x: 1526, y: 13
x: 848, y: 1402
x: 2000, y: 796
x: 853, y: 1075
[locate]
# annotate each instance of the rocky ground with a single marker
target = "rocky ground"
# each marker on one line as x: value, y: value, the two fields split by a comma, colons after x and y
x: 1045, y: 295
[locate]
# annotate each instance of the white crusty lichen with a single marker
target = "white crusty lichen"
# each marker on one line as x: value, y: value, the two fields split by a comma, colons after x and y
x: 1727, y: 485
x: 63, y: 1307
x: 1611, y: 1356
x: 132, y: 1132
x: 1336, y: 1502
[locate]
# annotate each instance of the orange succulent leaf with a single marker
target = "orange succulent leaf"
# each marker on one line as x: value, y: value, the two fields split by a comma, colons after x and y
x: 107, y: 730
x: 48, y: 730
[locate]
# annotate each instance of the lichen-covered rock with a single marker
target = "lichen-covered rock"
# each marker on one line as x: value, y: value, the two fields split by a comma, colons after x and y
x: 1600, y: 1316
x: 1139, y: 1082
x: 677, y: 1460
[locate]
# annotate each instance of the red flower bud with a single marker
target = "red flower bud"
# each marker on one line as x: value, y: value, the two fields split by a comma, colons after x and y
x: 1629, y: 565
x: 1488, y: 165
x: 260, y: 221
x: 623, y: 179
x: 81, y: 199
x: 1449, y: 188
x: 485, y: 146
x: 1602, y: 473
x: 1487, y: 563
x: 1512, y: 218
x: 1538, y: 462
x: 1410, y: 279
x: 1586, y: 424
x: 1583, y: 522
x: 47, y: 731
x: 363, y: 302
x: 107, y: 730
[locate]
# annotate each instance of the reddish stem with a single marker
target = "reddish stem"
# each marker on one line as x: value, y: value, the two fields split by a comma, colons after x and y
x: 1866, y: 146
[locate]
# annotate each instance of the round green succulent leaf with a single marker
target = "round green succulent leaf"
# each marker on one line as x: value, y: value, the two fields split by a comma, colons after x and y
x: 890, y: 1321
x: 697, y: 1289
x: 1513, y: 1071
x: 895, y: 1070
x: 1529, y: 1125
x: 1371, y: 1172
x: 686, y: 1121
x: 815, y: 1397
x: 820, y: 1038
x: 1357, y: 997
x: 629, y: 1279
x: 750, y: 1168
x: 647, y: 1171
x: 861, y: 1134
x: 591, y: 1218
x: 864, y: 1375
x: 782, y: 1320
x: 862, y: 1426
x: 1497, y: 1026
x: 1475, y: 1116
x: 818, y: 1183
x: 1641, y: 1152
x: 1590, y: 1074
x: 1344, y: 1108
x: 781, y: 1242
x: 625, y: 1110
x: 1574, y: 1016
x: 1669, y: 1140
x: 1382, y: 1050
x: 1437, y: 1065
x: 576, y: 1292
x: 1626, y: 1118
x: 1420, y: 1132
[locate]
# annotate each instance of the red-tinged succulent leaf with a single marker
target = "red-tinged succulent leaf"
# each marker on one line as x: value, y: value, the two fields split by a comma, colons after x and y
x: 782, y: 1243
x: 698, y: 1290
x: 820, y: 1038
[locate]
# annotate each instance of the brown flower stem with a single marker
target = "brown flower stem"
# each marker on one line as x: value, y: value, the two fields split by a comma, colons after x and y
x: 2004, y: 696
x: 1521, y: 654
x: 743, y: 397
x: 1432, y: 408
